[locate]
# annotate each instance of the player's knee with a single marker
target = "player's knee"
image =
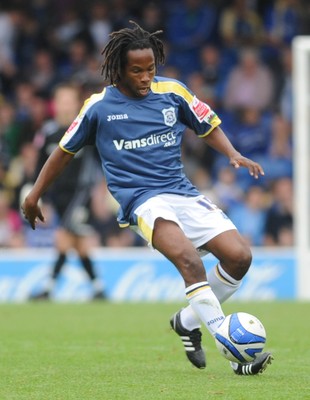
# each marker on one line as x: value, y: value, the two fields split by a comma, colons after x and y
x: 240, y: 262
x: 237, y: 261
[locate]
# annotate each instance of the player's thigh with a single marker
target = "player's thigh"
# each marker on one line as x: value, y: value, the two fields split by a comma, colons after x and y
x: 170, y: 240
x: 83, y: 244
x: 64, y: 240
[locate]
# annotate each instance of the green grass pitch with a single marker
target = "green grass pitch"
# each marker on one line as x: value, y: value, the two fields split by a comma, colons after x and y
x: 110, y: 351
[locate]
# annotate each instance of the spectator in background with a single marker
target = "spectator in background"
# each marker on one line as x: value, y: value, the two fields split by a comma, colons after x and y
x: 214, y: 68
x: 171, y: 72
x: 121, y: 14
x: 9, y: 132
x: 30, y: 38
x: 70, y: 195
x: 42, y: 11
x: 4, y: 147
x: 210, y: 57
x: 203, y: 181
x: 250, y: 132
x: 42, y: 72
x: 60, y: 9
x: 3, y: 163
x: 38, y: 114
x: 8, y: 31
x: 252, y: 210
x: 286, y: 85
x: 240, y: 25
x: 69, y: 27
x: 99, y: 25
x: 278, y: 161
x: 283, y: 21
x: 249, y: 84
x: 196, y: 153
x: 196, y: 82
x: 10, y: 224
x: 75, y: 67
x: 226, y: 188
x: 9, y: 22
x: 89, y: 75
x: 24, y: 93
x: 189, y: 25
x: 279, y: 217
x: 152, y: 17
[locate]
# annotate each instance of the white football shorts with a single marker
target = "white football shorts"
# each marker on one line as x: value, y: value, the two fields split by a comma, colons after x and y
x: 198, y: 217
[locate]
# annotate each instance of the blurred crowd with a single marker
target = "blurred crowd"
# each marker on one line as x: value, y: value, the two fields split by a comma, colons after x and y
x: 235, y: 55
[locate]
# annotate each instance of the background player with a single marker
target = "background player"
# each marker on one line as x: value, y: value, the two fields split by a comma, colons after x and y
x: 70, y: 194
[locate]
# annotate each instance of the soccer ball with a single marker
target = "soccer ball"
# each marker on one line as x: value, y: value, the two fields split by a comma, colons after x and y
x: 240, y: 337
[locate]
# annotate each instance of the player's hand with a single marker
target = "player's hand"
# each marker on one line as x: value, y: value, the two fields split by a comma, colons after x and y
x: 255, y: 169
x: 32, y: 212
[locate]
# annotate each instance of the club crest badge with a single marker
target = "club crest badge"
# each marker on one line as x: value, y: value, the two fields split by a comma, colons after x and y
x: 169, y: 116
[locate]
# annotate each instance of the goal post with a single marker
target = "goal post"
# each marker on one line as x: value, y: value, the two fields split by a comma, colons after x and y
x: 301, y: 157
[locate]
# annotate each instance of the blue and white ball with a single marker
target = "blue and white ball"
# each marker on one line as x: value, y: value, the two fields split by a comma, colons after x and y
x: 240, y: 337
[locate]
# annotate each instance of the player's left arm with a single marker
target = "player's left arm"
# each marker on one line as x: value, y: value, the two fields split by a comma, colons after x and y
x: 220, y: 142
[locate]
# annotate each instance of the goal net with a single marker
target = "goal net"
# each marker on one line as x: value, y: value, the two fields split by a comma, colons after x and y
x: 301, y: 138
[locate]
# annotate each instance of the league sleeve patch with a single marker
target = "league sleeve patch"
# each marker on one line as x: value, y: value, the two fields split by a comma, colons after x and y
x: 69, y: 132
x: 72, y: 126
x: 201, y: 110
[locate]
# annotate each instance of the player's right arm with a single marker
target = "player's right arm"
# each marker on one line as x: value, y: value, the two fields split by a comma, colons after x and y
x: 53, y: 167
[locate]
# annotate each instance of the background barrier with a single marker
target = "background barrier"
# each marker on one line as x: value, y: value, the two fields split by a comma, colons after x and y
x: 137, y: 274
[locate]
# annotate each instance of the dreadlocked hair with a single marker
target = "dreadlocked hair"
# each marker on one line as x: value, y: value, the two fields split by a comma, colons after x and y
x: 115, y: 52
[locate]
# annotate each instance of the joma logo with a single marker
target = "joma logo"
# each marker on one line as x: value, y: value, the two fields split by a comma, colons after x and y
x: 114, y: 117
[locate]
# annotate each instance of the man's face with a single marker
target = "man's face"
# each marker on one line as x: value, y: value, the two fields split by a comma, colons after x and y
x: 138, y: 73
x: 66, y: 105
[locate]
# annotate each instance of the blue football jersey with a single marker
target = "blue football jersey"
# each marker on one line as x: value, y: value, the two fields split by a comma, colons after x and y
x: 139, y: 139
